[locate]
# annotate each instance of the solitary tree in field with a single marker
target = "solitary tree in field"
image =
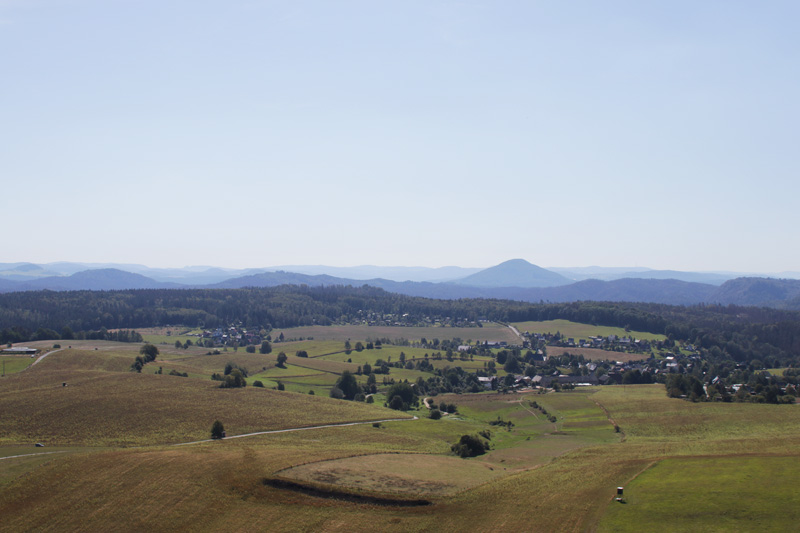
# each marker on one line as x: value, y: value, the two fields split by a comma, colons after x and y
x: 282, y: 360
x: 149, y: 351
x: 217, y: 430
x: 469, y: 446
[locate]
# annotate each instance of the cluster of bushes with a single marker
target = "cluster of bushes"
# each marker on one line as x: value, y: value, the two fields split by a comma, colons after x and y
x: 265, y: 348
x: 381, y: 367
x: 233, y: 376
x: 348, y: 388
x: 686, y: 385
x: 690, y: 387
x: 184, y: 346
x: 359, y: 346
x: 450, y: 379
x: 401, y: 396
x: 470, y: 446
x: 550, y: 418
x: 448, y: 407
x: 508, y: 424
x: 148, y: 353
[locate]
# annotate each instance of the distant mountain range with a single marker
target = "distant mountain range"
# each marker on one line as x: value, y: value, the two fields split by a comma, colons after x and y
x: 514, y: 280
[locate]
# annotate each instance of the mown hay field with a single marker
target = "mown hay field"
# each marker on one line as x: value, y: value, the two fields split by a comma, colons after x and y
x: 595, y: 354
x: 418, y: 475
x: 577, y: 331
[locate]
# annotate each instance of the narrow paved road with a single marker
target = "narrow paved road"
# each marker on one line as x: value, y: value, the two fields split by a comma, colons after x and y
x: 45, y: 355
x: 343, y: 424
x: 30, y: 455
x: 516, y: 332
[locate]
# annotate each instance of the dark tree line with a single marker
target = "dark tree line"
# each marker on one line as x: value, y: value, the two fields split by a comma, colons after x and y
x: 726, y: 332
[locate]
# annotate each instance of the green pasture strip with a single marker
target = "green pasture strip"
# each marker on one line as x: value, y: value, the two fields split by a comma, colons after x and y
x: 323, y: 365
x: 323, y: 380
x: 710, y: 494
x: 14, y: 364
x: 385, y: 353
x: 578, y: 331
x: 315, y: 347
x: 401, y: 373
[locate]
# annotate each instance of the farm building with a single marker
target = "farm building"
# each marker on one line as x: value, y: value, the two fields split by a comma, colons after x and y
x: 486, y: 382
x: 21, y: 350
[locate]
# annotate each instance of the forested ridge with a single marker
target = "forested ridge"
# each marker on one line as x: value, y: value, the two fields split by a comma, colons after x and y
x: 741, y: 333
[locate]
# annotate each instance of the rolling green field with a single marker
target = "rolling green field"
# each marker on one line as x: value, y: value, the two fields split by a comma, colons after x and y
x: 581, y: 331
x: 685, y: 466
x: 11, y: 364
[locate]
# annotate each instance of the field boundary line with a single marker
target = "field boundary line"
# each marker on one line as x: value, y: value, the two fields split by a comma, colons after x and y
x: 31, y: 455
x: 326, y: 354
x: 529, y: 410
x: 288, y: 430
x: 42, y: 357
x: 321, y: 371
x: 611, y: 420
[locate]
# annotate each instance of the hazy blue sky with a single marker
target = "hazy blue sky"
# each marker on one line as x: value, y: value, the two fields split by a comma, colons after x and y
x: 257, y: 133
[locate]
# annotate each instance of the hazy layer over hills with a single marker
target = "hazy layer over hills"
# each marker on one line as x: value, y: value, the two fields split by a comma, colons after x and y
x: 513, y: 280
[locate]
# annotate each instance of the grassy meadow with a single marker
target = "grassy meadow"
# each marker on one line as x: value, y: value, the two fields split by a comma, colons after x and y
x: 685, y: 466
x: 750, y: 493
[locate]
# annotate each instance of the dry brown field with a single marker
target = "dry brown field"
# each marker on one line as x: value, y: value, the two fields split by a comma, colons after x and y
x: 538, y: 476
